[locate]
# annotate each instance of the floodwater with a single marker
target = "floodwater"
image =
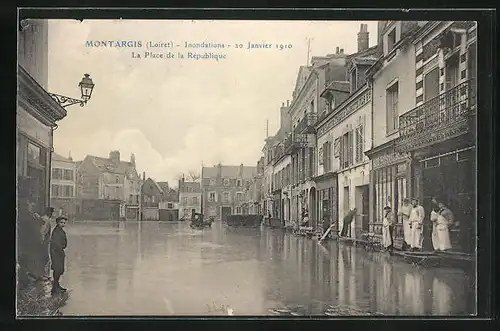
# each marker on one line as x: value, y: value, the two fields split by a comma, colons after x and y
x: 166, y: 269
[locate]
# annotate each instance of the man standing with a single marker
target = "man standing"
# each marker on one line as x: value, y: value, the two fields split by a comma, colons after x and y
x: 404, y: 212
x: 347, y: 222
x: 417, y: 215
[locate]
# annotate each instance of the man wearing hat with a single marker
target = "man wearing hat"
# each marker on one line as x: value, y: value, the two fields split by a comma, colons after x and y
x: 417, y: 215
x: 387, y: 229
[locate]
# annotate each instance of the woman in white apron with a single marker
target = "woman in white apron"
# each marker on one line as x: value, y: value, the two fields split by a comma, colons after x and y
x: 387, y: 228
x: 444, y: 220
x: 434, y: 218
x: 417, y: 219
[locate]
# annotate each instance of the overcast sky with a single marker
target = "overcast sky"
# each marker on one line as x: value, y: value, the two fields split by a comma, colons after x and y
x: 175, y: 114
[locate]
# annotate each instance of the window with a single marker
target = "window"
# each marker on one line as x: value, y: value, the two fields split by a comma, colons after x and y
x: 359, y: 143
x: 68, y: 191
x: 238, y: 183
x: 239, y: 196
x: 185, y: 200
x: 391, y: 40
x: 212, y: 181
x: 117, y: 179
x: 136, y: 199
x: 195, y: 200
x: 238, y: 210
x: 327, y: 156
x: 226, y: 182
x: 211, y: 197
x: 68, y: 174
x: 34, y: 153
x: 170, y: 205
x: 56, y: 173
x: 354, y: 82
x: 392, y: 107
x: 55, y: 191
x: 153, y: 199
x: 225, y: 196
x: 130, y: 198
x: 346, y: 150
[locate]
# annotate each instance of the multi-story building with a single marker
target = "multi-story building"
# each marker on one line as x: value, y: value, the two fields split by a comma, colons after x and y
x: 304, y: 109
x: 342, y: 142
x: 267, y: 180
x: 37, y: 114
x: 189, y: 198
x: 63, y: 185
x: 110, y: 178
x: 223, y: 189
x: 253, y: 192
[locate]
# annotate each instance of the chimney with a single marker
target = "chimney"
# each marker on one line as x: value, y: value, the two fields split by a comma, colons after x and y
x: 337, y: 50
x: 132, y: 159
x: 241, y: 168
x: 282, y: 104
x: 341, y: 51
x: 363, y: 38
x: 115, y: 157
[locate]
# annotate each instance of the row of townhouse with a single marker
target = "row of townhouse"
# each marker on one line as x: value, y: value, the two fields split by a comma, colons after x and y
x: 369, y: 129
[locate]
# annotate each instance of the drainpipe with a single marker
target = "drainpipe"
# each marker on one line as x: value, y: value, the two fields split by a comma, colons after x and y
x: 49, y: 164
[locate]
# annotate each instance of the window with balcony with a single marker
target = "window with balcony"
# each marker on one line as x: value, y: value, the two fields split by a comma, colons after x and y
x: 392, y: 107
x: 225, y: 196
x: 360, y: 139
x: 346, y: 150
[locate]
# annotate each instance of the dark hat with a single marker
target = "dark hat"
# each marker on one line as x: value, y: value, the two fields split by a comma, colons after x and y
x: 387, y: 208
x: 60, y: 218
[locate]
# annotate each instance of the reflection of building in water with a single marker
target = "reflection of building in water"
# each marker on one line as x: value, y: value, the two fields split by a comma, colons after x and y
x: 413, y: 288
x: 442, y: 296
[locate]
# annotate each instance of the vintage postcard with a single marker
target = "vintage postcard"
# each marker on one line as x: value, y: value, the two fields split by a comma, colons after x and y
x: 246, y: 168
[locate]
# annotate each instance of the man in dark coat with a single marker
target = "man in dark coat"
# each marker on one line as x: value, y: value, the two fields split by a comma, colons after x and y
x: 349, y: 217
x: 58, y: 243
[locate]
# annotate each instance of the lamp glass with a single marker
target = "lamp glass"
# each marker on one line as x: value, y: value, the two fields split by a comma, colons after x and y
x: 86, y: 87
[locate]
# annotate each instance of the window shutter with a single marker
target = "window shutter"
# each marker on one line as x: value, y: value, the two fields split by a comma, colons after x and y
x: 336, y: 148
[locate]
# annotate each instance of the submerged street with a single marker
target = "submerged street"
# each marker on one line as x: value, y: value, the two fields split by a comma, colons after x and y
x: 155, y: 268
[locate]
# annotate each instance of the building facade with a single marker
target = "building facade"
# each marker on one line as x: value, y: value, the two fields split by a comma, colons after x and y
x: 37, y: 114
x: 63, y: 185
x: 223, y: 189
x: 110, y: 179
x: 189, y: 198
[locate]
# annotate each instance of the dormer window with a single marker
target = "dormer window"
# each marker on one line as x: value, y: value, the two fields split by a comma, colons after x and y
x: 391, y: 40
x: 354, y: 79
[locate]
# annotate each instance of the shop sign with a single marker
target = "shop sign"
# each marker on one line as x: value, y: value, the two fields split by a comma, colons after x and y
x: 388, y: 159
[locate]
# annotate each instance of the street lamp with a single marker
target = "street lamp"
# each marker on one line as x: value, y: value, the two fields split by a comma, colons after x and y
x: 86, y: 87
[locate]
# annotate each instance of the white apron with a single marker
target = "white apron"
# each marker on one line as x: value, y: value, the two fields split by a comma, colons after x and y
x: 405, y: 212
x: 443, y: 235
x: 435, y: 239
x: 416, y: 219
x: 386, y: 234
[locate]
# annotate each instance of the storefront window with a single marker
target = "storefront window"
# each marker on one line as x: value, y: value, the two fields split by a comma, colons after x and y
x: 34, y: 154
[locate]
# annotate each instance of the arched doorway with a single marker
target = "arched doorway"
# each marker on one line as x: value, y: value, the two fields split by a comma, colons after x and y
x: 312, y: 207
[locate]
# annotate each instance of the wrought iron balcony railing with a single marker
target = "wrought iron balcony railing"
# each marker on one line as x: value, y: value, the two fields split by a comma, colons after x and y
x: 306, y: 125
x: 448, y: 111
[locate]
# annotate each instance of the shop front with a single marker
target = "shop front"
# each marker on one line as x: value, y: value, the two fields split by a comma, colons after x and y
x: 390, y: 183
x: 327, y: 207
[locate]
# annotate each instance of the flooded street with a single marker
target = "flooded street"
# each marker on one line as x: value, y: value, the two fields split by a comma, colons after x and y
x: 169, y: 269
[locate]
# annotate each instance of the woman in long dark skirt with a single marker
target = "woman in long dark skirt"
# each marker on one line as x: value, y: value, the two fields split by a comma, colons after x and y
x: 58, y: 243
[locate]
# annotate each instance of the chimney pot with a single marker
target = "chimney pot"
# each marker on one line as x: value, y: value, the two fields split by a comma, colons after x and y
x: 282, y: 104
x: 288, y: 103
x: 341, y: 51
x: 337, y: 50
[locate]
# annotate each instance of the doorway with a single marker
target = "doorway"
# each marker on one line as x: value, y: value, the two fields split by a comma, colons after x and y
x: 362, y: 195
x: 345, y: 208
x: 225, y: 211
x: 312, y: 208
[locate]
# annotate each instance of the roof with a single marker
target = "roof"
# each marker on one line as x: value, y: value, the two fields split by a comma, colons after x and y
x: 163, y: 186
x: 171, y: 195
x: 366, y: 60
x: 107, y: 165
x: 228, y: 171
x: 57, y: 157
x: 158, y: 187
x: 192, y: 186
x: 339, y: 86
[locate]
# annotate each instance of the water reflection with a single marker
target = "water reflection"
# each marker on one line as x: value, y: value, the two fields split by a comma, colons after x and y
x: 169, y: 268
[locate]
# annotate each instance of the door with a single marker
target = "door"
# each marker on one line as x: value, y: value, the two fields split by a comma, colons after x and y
x: 225, y: 211
x: 365, y: 221
x: 431, y: 92
x: 346, y: 207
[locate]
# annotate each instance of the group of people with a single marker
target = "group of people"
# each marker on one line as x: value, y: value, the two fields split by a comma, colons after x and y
x: 41, y: 248
x: 413, y: 216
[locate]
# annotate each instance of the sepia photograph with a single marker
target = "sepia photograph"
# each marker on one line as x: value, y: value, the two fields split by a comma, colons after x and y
x: 176, y: 167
